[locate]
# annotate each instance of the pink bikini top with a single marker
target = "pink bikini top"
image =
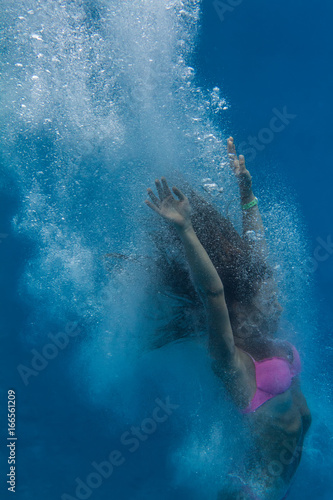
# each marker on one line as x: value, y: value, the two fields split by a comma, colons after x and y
x: 273, y: 376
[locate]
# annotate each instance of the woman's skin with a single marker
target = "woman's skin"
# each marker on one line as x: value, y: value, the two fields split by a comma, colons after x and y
x: 266, y: 300
x: 277, y: 427
x: 251, y: 218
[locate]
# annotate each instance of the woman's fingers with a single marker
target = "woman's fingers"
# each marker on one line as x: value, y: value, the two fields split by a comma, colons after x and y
x: 152, y: 206
x: 164, y: 192
x: 178, y: 193
x: 159, y: 189
x: 166, y: 189
x: 243, y: 170
x: 231, y: 146
x: 232, y: 151
x: 153, y: 197
x: 234, y: 164
x: 242, y: 167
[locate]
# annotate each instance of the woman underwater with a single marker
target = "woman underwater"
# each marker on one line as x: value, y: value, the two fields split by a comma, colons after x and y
x: 242, y: 313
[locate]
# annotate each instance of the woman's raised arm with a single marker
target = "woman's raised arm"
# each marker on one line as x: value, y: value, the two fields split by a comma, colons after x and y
x: 204, y: 274
x: 252, y: 222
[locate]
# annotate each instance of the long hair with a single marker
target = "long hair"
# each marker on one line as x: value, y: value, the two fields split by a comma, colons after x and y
x: 240, y: 270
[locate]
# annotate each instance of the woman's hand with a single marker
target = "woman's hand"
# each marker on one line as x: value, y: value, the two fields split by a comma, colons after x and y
x: 242, y: 174
x: 175, y: 211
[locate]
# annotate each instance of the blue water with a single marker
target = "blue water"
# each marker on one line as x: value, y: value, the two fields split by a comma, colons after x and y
x: 97, y: 99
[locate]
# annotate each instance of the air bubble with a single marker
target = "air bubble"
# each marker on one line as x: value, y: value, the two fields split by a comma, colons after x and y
x: 217, y: 103
x: 188, y: 73
x: 36, y: 37
x: 211, y: 187
x: 210, y: 137
x: 250, y: 236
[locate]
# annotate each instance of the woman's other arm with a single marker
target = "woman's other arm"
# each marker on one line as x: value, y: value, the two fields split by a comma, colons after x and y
x: 252, y: 220
x: 266, y: 299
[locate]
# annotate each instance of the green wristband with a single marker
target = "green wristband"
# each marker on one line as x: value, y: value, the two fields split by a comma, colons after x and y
x: 252, y: 204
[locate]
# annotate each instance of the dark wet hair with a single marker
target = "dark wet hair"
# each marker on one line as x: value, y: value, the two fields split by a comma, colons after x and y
x: 240, y: 270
